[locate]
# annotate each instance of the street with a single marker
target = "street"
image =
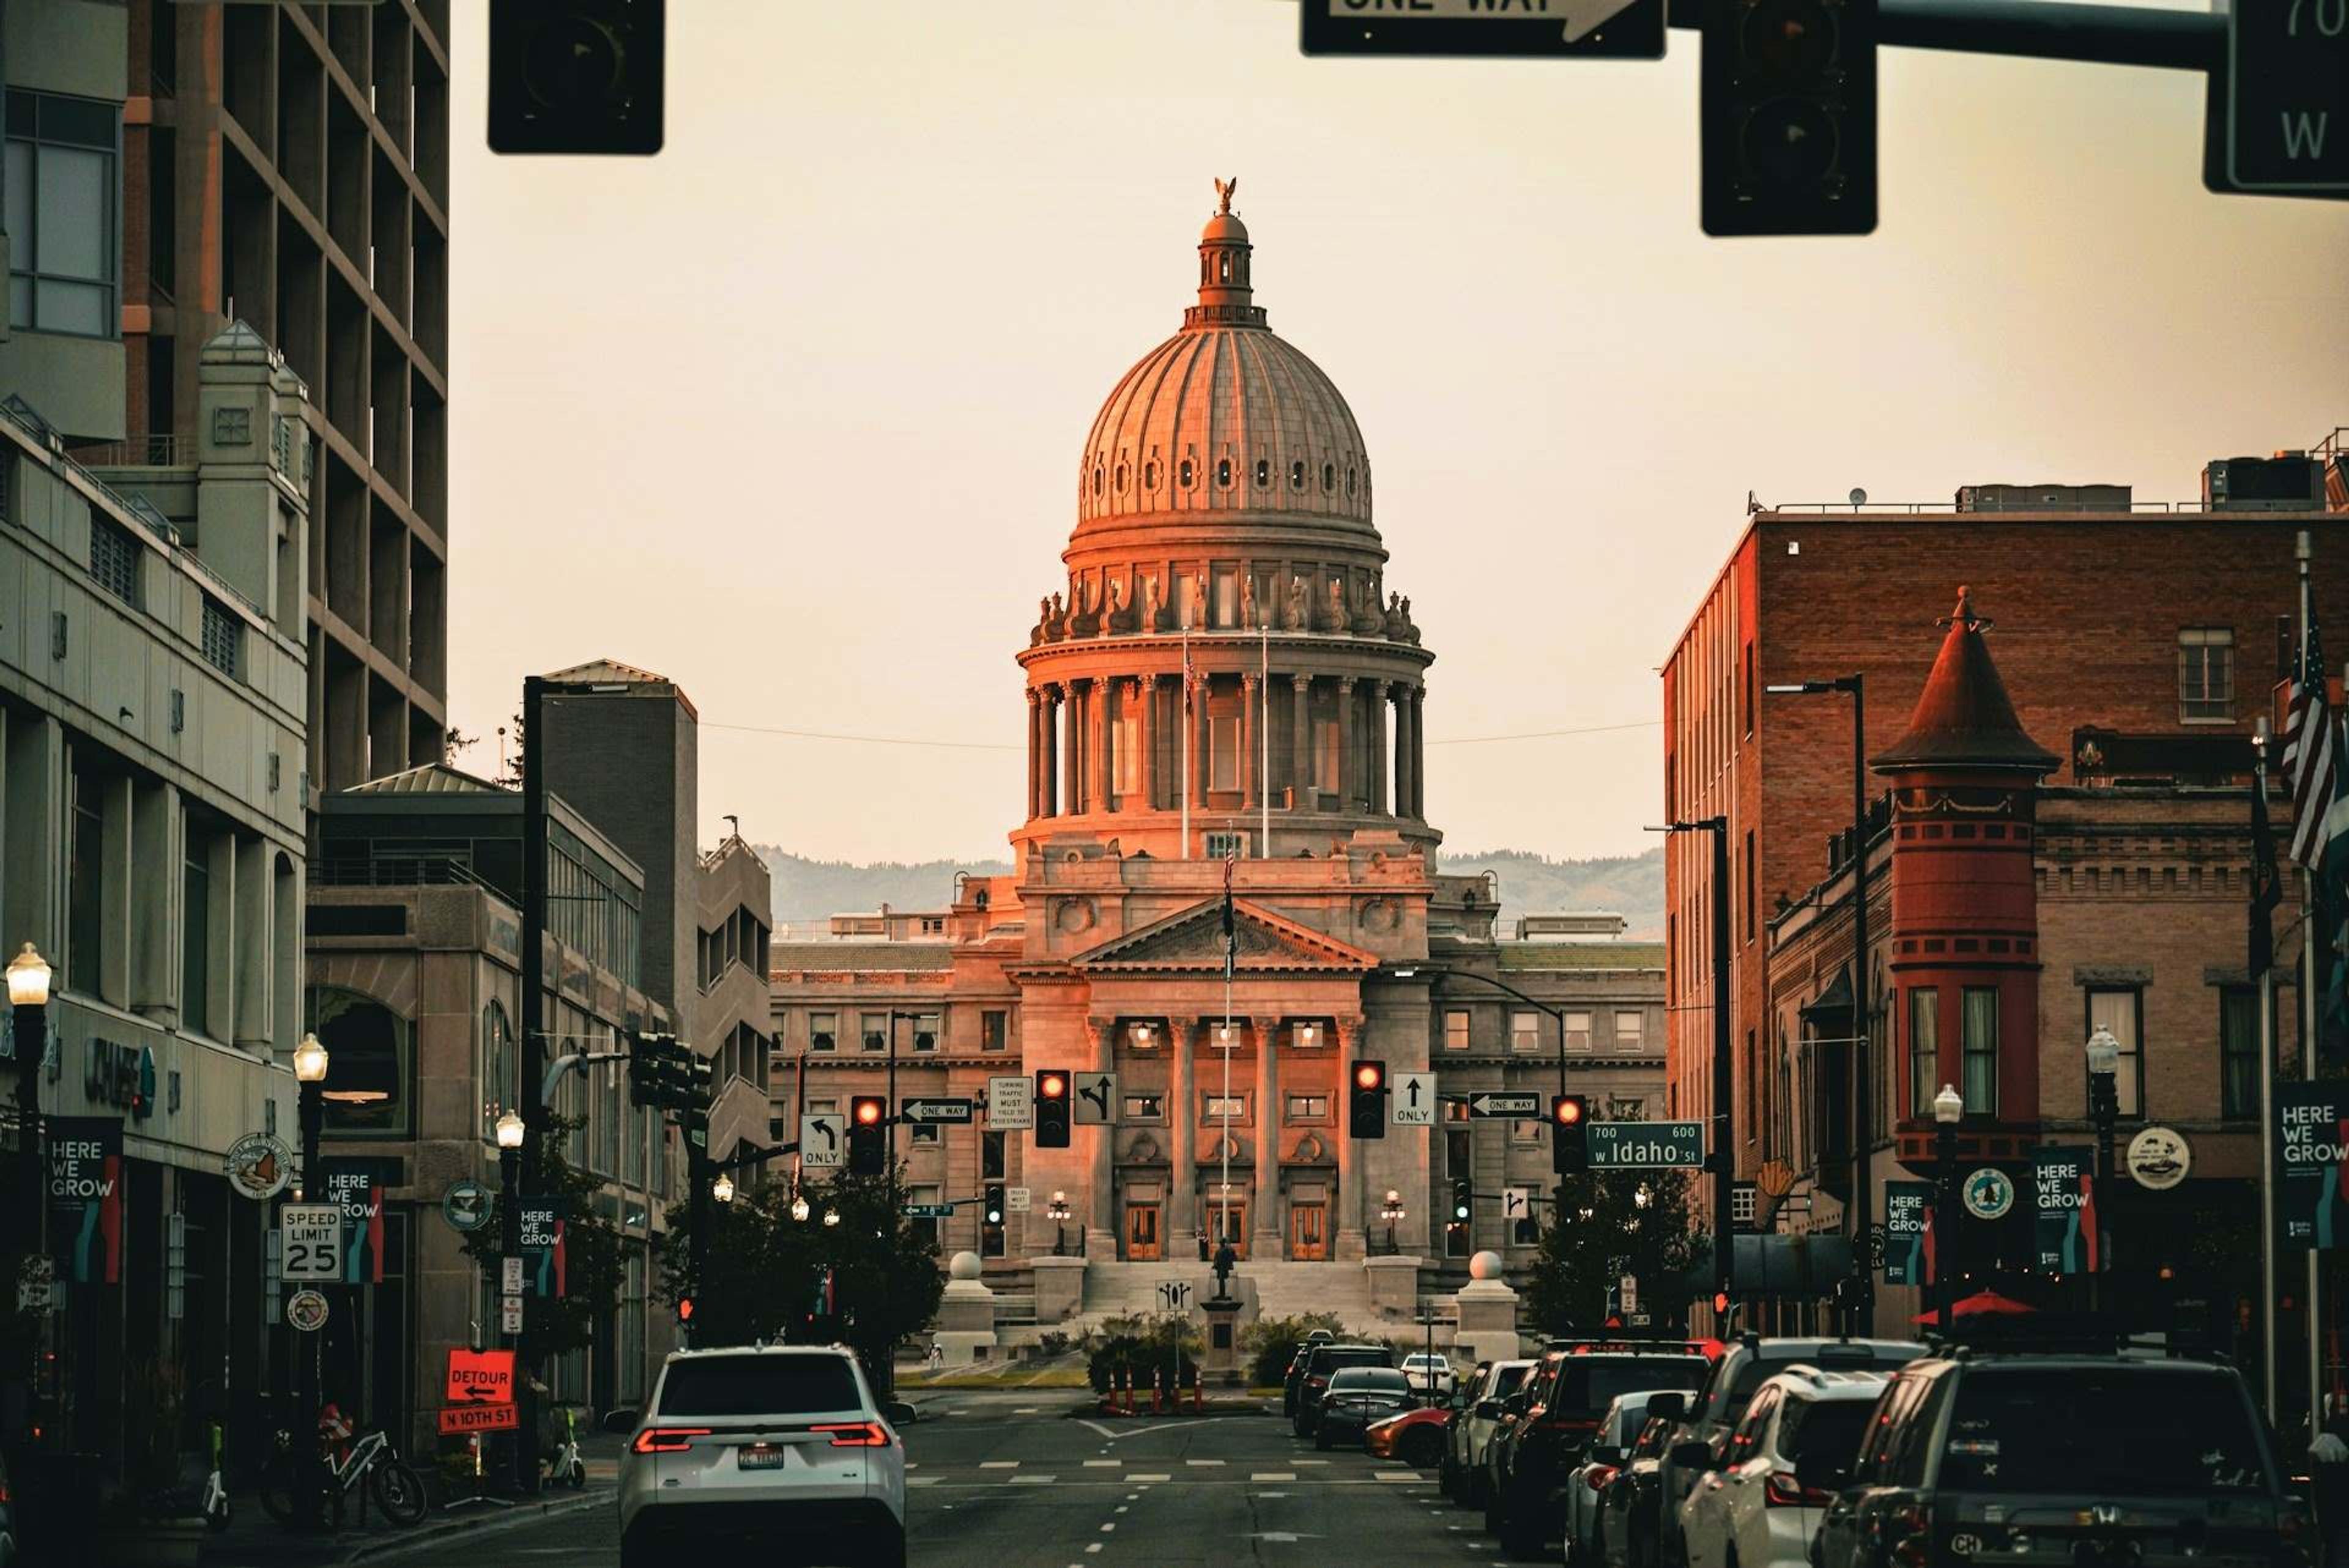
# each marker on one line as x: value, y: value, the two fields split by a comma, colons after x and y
x: 1007, y: 1481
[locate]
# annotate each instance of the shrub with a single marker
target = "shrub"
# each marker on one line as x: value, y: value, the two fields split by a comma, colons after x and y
x: 1143, y: 1348
x: 1270, y: 1342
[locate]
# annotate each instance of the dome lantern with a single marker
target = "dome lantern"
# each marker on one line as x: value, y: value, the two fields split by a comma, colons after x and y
x: 1226, y: 298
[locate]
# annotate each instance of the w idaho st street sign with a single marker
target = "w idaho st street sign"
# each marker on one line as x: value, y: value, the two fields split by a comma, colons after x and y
x: 2288, y: 96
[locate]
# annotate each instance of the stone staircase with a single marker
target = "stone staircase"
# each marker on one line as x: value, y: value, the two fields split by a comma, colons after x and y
x: 1283, y: 1289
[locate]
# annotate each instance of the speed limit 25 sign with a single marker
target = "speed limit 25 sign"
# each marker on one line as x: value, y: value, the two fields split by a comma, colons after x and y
x: 310, y: 1241
x: 2288, y: 96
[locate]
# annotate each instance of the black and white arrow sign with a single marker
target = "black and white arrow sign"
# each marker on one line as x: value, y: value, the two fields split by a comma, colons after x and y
x: 1412, y: 1103
x: 955, y: 1110
x: 1516, y: 1106
x: 1096, y: 1098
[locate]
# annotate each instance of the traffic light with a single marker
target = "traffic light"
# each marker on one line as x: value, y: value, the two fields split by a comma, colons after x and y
x: 644, y: 1067
x: 868, y: 1136
x: 699, y: 1076
x: 693, y: 1118
x: 684, y: 1310
x: 1463, y: 1200
x: 1788, y: 116
x: 992, y: 1205
x: 1053, y: 1108
x: 1570, y: 1133
x: 1366, y: 1100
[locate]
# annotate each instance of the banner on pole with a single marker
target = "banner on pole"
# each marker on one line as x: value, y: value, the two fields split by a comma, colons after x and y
x: 2311, y: 1140
x: 85, y: 1198
x: 543, y: 1223
x: 1907, y: 1206
x: 357, y: 1187
x: 2063, y: 1218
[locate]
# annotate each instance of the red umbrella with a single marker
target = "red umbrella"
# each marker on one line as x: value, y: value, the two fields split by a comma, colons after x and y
x: 1983, y: 1302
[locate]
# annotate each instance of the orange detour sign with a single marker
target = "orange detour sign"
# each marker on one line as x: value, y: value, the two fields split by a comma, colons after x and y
x: 459, y: 1419
x: 480, y: 1377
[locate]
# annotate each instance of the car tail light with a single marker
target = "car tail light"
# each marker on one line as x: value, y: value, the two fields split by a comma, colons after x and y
x: 668, y: 1440
x: 855, y: 1434
x: 1781, y: 1489
x: 1317, y: 1382
x: 1597, y: 1476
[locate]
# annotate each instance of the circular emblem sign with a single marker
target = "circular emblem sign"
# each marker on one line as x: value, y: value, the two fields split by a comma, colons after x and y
x: 2159, y: 1157
x: 259, y: 1165
x: 306, y: 1310
x: 466, y: 1204
x: 1989, y: 1193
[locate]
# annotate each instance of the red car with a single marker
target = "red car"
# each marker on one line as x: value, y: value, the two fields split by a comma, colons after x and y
x: 1415, y: 1436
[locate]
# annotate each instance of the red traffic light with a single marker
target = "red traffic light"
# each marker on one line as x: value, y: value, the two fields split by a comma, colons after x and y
x: 1369, y: 1074
x: 1052, y: 1086
x: 1721, y: 1301
x: 866, y: 1111
x: 1568, y: 1109
x: 685, y: 1309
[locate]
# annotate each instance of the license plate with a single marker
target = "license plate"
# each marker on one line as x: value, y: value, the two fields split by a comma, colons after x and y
x: 759, y: 1456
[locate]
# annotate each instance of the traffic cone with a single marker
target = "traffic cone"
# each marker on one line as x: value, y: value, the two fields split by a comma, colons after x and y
x: 1158, y: 1391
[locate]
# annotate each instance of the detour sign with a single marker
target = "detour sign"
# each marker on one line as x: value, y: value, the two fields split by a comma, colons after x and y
x: 481, y: 1376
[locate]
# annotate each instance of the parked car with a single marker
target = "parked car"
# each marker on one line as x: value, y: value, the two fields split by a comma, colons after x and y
x: 2093, y: 1457
x: 1414, y: 1437
x: 1358, y: 1396
x: 746, y: 1450
x: 1745, y: 1365
x: 1626, y: 1507
x: 1751, y: 1511
x: 1471, y: 1427
x: 1533, y: 1448
x: 1611, y: 1447
x: 1430, y: 1373
x: 1322, y: 1363
x: 1295, y: 1376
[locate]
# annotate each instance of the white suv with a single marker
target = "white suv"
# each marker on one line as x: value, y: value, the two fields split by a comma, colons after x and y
x: 1751, y: 1512
x: 1428, y: 1374
x: 763, y: 1449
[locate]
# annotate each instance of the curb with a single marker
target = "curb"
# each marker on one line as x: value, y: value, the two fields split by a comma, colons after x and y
x: 446, y: 1529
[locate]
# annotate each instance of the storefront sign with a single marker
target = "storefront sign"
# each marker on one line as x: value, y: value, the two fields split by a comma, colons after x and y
x: 2159, y: 1157
x: 542, y: 1245
x: 480, y: 1377
x: 120, y: 1076
x: 2311, y: 1148
x: 466, y: 1205
x: 1989, y: 1193
x: 307, y: 1311
x: 85, y: 1198
x: 460, y: 1419
x: 1906, y: 1207
x: 2063, y: 1212
x: 357, y: 1189
x: 259, y: 1165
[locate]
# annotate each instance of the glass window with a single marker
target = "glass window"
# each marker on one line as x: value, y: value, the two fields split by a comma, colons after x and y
x: 1981, y: 1084
x: 2206, y: 675
x: 1325, y: 756
x: 760, y: 1385
x: 195, y: 936
x: 223, y: 639
x: 1630, y: 1029
x: 366, y: 1061
x: 875, y: 1027
x: 1224, y: 753
x: 62, y: 197
x: 925, y: 1132
x: 2118, y: 1012
x: 1924, y: 1051
x: 1125, y: 754
x: 1223, y: 1106
x: 1455, y: 1028
x: 1525, y: 1032
x: 2146, y: 1430
x: 926, y: 1032
x: 2239, y: 1052
x: 822, y: 1029
x: 1309, y: 1108
x: 1578, y: 1031
x: 114, y: 559
x: 1526, y: 1131
x: 992, y: 1029
x: 1145, y: 1108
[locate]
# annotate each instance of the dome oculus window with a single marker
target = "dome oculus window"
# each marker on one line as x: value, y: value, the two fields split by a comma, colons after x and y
x: 1187, y: 473
x: 1328, y: 478
x: 1224, y: 472
x: 1097, y: 478
x: 1120, y: 479
x: 1150, y: 475
x: 1297, y: 475
x: 1263, y: 473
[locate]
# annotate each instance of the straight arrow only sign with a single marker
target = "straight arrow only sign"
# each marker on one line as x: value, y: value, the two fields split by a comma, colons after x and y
x: 1411, y: 1102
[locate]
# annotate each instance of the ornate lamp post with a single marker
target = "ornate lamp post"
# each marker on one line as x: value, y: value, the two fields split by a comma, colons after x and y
x: 723, y: 1188
x: 799, y: 1206
x: 1392, y: 1212
x: 1948, y: 1109
x: 1058, y: 1211
x: 310, y: 1072
x: 28, y: 992
x: 510, y: 1130
x: 2104, y: 1053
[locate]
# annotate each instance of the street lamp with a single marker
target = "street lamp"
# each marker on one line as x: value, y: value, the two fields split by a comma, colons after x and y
x: 831, y: 1216
x: 1949, y: 1109
x: 2104, y: 1053
x: 310, y: 1062
x: 509, y: 1130
x: 1058, y: 1211
x: 28, y: 990
x: 1392, y: 1212
x: 723, y: 1188
x: 1308, y: 1035
x: 799, y: 1207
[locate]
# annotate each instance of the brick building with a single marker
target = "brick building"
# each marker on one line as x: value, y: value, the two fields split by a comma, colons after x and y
x: 2133, y: 623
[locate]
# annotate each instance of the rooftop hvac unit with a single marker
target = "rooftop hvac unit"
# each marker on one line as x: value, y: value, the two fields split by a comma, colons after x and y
x: 2044, y: 497
x: 2289, y: 482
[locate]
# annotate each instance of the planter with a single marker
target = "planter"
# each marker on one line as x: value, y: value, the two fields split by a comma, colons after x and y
x: 152, y: 1543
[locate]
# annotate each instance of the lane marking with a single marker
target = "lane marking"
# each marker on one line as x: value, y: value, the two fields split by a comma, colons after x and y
x: 1029, y: 1410
x: 1110, y: 1528
x: 1122, y: 1508
x: 1092, y: 1547
x: 1033, y: 1479
x: 1203, y: 1464
x: 1105, y: 1434
x: 1272, y: 1475
x: 1153, y: 1476
x: 998, y: 1464
x: 1399, y: 1475
x: 1104, y: 1464
x: 1308, y: 1461
x: 921, y: 1480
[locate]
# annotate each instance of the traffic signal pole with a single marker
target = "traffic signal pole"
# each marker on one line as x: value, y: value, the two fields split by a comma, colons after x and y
x: 2042, y: 30
x: 534, y: 1039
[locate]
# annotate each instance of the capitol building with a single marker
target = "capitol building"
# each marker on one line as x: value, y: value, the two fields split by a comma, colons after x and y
x: 1222, y: 682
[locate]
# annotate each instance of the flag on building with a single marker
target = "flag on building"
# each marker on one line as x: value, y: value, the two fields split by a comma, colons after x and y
x: 2267, y: 884
x: 2311, y: 748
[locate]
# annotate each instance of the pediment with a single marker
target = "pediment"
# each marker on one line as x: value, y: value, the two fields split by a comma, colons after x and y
x: 1192, y: 940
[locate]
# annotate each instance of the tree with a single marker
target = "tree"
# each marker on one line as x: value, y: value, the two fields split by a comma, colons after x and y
x: 591, y: 1248
x: 1603, y: 1229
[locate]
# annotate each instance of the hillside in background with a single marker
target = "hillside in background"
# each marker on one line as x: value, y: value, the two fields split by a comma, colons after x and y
x: 1631, y: 885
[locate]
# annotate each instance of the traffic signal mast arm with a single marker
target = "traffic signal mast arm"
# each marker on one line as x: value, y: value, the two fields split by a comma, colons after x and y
x: 2041, y: 29
x: 579, y: 1062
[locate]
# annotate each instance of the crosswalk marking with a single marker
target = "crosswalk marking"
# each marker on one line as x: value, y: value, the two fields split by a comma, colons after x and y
x: 1399, y: 1475
x: 1203, y: 1463
x: 1033, y: 1479
x: 1104, y: 1464
x: 1152, y: 1475
x: 921, y: 1480
x: 1273, y: 1475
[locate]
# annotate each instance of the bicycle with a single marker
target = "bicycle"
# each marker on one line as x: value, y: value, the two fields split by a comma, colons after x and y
x: 368, y: 1466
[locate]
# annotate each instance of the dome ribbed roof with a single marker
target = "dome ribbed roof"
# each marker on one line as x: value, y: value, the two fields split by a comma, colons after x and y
x: 1224, y: 417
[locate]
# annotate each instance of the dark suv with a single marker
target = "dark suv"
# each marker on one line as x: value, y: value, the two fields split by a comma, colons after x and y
x: 2094, y: 1459
x: 1568, y: 1390
x: 1313, y: 1378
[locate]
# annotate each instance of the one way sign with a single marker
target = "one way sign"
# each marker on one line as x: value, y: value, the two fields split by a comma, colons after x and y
x: 1517, y: 1107
x: 1096, y: 1098
x: 1412, y: 1101
x: 824, y: 1142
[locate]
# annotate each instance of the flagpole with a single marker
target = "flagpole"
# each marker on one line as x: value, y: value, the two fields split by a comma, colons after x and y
x: 1224, y: 1041
x: 2312, y: 1002
x: 1184, y: 852
x: 1264, y: 740
x: 2263, y: 980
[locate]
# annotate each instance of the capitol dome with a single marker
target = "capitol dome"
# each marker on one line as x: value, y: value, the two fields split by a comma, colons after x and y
x: 1226, y: 416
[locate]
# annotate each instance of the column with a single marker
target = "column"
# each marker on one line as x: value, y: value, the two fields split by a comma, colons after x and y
x: 1264, y: 1241
x: 1401, y: 690
x: 1419, y: 752
x: 1182, y: 1120
x: 1346, y: 793
x: 1144, y: 697
x: 1301, y: 761
x: 1035, y: 754
x: 1101, y: 1215
x: 1379, y: 748
x: 156, y: 852
x: 1048, y: 778
x: 249, y: 972
x: 1098, y: 796
x: 1347, y: 1239
x: 1072, y: 782
x: 1251, y: 780
x: 1201, y: 768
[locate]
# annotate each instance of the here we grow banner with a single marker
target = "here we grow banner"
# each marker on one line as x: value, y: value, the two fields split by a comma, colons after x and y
x: 2311, y: 1133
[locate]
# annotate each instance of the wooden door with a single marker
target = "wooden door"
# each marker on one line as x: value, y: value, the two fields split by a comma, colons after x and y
x: 1308, y: 1232
x: 1141, y: 1232
x: 1239, y: 1231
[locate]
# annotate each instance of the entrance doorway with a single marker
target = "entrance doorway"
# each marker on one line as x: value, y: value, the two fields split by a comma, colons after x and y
x: 1141, y: 1244
x: 1308, y: 1232
x: 1238, y: 1226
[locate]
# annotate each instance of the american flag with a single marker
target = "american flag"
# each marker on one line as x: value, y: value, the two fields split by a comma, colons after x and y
x: 2310, y: 751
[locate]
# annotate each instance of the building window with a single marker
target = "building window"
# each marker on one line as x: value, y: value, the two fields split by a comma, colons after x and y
x: 1527, y: 1132
x: 366, y: 1062
x: 1224, y: 610
x: 925, y: 1132
x: 2239, y: 1052
x: 990, y: 1156
x: 2206, y: 675
x: 1224, y: 753
x: 924, y: 1195
x: 1125, y: 756
x: 63, y: 257
x: 1631, y: 1108
x: 1578, y: 1031
x: 1145, y: 1108
x: 86, y: 887
x: 1455, y: 1109
x: 1455, y: 1028
x: 992, y: 1029
x: 1221, y: 1106
x: 2120, y: 1012
x: 195, y: 935
x: 1981, y: 1039
x: 1227, y: 846
x: 875, y: 1028
x: 1752, y: 898
x: 1630, y: 1031
x: 822, y: 1029
x: 926, y: 1032
x: 497, y: 1065
x: 1309, y: 1108
x: 114, y: 559
x: 223, y: 642
x: 1924, y: 1051
x: 1525, y: 1032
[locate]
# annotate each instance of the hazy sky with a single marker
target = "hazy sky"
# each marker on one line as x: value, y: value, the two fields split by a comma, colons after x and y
x: 790, y: 413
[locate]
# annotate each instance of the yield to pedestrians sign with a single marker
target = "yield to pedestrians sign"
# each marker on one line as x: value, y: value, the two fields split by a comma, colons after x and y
x: 1096, y: 1097
x: 1010, y: 1104
x: 1412, y: 1101
x: 824, y: 1142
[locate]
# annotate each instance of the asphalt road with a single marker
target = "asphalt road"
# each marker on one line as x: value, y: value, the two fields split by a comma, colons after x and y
x: 1007, y: 1481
